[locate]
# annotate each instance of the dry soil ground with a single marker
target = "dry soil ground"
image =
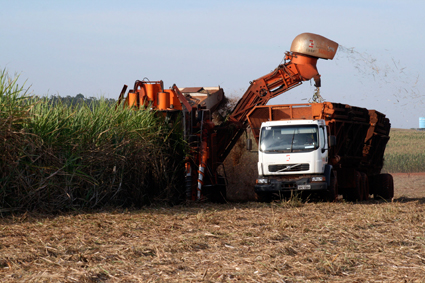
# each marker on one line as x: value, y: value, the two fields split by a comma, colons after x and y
x: 289, y: 241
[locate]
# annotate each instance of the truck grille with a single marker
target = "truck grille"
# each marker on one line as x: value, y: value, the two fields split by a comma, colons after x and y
x: 294, y: 167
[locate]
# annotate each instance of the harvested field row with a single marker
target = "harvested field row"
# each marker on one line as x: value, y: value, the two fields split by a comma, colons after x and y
x: 281, y: 242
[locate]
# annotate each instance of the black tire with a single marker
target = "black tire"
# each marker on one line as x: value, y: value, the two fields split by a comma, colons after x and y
x: 332, y: 193
x: 385, y: 187
x: 219, y: 193
x: 356, y: 193
x: 215, y: 193
x: 365, y: 184
x: 263, y: 197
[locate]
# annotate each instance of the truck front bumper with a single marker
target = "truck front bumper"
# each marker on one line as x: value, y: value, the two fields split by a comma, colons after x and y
x: 303, y: 184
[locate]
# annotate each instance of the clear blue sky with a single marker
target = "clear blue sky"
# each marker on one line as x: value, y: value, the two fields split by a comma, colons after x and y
x: 94, y: 47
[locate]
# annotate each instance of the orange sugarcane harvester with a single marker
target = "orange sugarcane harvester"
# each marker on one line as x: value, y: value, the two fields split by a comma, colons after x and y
x: 209, y: 142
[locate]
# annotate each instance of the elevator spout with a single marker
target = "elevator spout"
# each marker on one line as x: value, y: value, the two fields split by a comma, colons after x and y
x: 306, y: 49
x: 314, y: 45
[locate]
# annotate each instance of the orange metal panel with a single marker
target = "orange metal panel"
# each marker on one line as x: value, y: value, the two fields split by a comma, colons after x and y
x: 306, y: 66
x: 132, y: 99
x: 142, y: 98
x: 163, y: 101
x: 152, y: 93
x: 174, y: 100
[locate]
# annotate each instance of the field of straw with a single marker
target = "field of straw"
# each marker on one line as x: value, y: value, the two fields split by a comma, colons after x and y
x: 288, y: 241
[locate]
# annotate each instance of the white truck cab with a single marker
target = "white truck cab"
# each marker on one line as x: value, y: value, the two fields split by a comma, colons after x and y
x: 293, y: 156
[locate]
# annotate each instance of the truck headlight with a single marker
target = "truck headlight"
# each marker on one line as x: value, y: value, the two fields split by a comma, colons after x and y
x: 318, y: 179
x: 262, y: 181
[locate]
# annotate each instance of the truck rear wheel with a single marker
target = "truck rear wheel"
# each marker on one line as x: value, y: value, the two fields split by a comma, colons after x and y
x: 385, y: 186
x: 365, y: 185
x: 356, y: 193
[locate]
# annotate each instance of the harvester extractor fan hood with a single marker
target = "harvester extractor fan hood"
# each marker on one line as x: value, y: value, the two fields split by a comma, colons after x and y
x: 314, y: 45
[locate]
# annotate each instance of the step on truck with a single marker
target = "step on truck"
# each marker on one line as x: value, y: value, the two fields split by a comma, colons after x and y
x: 328, y: 148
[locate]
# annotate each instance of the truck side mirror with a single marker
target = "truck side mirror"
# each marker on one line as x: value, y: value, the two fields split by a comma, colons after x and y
x: 248, y: 144
x: 332, y: 141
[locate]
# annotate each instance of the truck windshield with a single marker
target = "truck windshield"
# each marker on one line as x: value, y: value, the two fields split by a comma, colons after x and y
x: 300, y: 138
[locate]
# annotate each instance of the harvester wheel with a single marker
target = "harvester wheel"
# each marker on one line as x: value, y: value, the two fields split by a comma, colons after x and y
x: 218, y: 195
x: 385, y: 187
x: 215, y: 193
x: 365, y: 185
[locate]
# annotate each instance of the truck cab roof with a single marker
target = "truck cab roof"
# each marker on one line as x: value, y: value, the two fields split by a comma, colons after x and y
x: 319, y: 122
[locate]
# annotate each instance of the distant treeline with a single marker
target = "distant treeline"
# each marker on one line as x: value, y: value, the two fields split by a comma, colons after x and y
x: 78, y: 100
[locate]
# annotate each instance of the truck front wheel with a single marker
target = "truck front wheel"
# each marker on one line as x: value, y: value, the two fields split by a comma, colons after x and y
x: 263, y: 197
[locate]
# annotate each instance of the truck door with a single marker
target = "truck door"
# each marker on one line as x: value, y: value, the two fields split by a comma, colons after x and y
x: 323, y: 145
